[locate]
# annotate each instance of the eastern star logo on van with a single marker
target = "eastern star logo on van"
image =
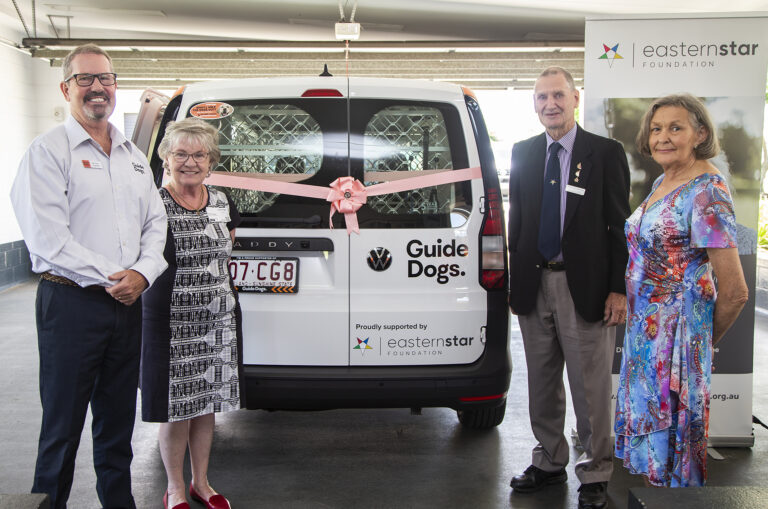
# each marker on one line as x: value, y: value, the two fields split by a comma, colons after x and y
x: 362, y: 345
x: 610, y: 54
x: 414, y: 346
x: 442, y: 272
x: 379, y: 259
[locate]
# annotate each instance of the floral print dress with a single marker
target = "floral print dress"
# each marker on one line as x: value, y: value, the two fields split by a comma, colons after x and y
x: 662, y: 401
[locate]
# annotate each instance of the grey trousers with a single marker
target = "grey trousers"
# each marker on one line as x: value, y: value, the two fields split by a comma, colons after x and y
x: 554, y: 336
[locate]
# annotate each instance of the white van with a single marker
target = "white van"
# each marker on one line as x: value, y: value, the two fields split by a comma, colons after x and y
x: 409, y: 312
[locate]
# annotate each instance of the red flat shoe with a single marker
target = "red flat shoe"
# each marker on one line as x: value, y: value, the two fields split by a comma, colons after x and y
x: 215, y: 502
x: 182, y: 505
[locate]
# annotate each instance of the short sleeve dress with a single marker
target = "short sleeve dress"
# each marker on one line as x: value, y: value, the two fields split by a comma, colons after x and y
x: 662, y: 401
x: 191, y: 333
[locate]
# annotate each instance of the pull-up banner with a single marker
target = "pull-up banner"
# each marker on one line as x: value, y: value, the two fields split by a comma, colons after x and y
x: 721, y: 59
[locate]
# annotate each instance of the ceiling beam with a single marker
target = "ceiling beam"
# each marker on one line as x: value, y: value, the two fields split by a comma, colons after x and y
x: 142, y: 63
x: 32, y: 43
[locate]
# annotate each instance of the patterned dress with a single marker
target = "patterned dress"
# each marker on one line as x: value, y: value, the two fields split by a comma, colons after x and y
x: 191, y: 342
x: 662, y: 402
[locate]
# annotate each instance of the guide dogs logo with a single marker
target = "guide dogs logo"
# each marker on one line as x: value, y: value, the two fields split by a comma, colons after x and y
x: 610, y: 54
x: 379, y: 259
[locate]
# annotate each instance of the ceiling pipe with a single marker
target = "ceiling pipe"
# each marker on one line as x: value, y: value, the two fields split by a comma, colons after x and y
x: 33, y: 42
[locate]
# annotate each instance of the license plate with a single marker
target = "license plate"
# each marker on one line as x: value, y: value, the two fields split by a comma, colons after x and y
x: 263, y: 274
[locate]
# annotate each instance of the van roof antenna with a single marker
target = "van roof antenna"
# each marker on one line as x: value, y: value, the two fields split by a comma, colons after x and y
x: 325, y: 71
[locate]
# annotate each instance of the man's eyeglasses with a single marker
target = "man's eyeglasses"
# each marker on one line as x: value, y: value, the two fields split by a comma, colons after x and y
x: 86, y: 80
x: 181, y: 157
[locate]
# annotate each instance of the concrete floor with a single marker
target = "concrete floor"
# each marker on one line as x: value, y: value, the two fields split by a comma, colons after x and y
x: 336, y: 459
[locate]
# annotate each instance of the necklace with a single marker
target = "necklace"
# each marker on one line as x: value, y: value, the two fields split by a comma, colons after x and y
x: 176, y: 196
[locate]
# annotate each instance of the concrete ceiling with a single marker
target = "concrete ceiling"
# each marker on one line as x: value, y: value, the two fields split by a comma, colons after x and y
x: 479, y: 43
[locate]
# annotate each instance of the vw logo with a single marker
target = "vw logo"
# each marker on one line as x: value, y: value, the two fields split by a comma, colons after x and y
x: 379, y: 259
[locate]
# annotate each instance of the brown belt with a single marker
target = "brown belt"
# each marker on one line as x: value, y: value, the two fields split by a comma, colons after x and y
x: 53, y: 278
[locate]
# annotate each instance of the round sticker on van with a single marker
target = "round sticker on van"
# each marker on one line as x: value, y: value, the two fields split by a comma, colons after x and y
x: 212, y: 110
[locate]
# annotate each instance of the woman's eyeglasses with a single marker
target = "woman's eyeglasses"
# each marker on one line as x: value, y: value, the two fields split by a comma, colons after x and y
x: 181, y: 157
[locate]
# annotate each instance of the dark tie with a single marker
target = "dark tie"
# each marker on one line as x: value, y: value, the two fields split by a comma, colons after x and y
x: 549, y: 226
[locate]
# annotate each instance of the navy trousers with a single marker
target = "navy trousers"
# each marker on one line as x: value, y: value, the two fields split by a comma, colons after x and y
x: 90, y: 348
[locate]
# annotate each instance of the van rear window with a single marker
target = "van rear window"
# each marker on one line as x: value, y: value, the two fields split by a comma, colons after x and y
x: 308, y: 141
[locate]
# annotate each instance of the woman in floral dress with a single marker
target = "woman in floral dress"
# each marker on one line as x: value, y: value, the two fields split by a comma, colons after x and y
x: 685, y: 287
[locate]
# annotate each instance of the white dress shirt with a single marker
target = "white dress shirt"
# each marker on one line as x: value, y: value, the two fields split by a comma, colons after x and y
x: 86, y: 215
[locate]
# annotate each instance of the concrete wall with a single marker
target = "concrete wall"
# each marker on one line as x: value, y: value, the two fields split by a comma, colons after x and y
x: 32, y: 104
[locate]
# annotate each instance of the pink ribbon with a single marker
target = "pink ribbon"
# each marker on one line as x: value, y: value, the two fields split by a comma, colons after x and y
x: 346, y: 194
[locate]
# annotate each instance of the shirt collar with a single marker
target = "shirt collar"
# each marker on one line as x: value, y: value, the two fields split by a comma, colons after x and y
x: 77, y: 134
x: 566, y: 141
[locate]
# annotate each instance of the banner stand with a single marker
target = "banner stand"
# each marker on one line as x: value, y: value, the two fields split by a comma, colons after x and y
x: 722, y: 59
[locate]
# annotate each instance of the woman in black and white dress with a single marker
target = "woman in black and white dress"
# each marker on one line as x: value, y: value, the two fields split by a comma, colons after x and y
x: 191, y: 352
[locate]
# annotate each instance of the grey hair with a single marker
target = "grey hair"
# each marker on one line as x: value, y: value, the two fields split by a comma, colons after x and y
x: 559, y: 70
x: 85, y: 49
x: 194, y: 129
x: 697, y: 115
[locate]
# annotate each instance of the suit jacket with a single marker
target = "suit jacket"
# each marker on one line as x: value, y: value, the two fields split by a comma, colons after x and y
x: 593, y: 244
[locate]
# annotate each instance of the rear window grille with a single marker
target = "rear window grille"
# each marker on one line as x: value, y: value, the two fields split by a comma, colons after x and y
x: 404, y: 139
x: 268, y: 139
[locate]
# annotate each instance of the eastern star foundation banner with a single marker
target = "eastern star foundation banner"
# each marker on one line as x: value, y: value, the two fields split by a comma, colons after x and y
x: 721, y: 59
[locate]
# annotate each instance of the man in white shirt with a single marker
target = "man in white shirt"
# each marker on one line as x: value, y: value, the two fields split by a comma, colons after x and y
x: 95, y: 227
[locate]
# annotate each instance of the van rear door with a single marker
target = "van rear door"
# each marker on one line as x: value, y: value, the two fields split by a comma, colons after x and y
x: 415, y: 298
x: 293, y: 268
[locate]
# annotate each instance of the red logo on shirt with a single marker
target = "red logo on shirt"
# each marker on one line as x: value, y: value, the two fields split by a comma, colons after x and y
x: 86, y: 163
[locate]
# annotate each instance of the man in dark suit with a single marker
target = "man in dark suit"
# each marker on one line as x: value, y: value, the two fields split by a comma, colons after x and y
x: 569, y: 198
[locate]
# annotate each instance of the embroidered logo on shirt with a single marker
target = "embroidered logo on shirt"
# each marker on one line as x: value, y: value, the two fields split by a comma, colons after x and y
x: 138, y: 167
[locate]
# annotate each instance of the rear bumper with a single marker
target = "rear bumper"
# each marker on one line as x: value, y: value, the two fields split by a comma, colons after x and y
x: 297, y: 388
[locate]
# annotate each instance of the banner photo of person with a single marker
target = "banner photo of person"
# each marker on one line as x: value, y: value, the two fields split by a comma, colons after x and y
x: 722, y: 60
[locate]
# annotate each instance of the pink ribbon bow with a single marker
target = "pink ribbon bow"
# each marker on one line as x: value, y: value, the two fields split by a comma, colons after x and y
x: 347, y: 195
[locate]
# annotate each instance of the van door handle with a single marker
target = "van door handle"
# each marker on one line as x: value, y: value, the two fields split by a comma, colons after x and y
x: 305, y: 244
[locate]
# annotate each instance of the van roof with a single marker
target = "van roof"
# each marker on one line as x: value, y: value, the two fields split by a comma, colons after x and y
x: 259, y: 88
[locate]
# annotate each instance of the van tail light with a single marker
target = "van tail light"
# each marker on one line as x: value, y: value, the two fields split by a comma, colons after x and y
x: 322, y: 92
x: 469, y: 399
x: 492, y: 241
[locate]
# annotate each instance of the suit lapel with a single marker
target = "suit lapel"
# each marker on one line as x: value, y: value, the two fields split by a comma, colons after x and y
x: 581, y: 166
x: 534, y: 177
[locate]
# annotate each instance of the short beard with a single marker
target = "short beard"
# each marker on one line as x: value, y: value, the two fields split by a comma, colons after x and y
x: 99, y: 113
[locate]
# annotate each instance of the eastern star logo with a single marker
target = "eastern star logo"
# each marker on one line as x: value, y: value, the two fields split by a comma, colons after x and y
x: 362, y: 345
x: 610, y: 54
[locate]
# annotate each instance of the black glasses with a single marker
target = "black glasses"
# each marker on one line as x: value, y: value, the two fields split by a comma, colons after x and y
x: 86, y: 80
x: 181, y: 157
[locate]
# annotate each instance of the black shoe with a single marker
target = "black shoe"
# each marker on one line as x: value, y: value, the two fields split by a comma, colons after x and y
x: 535, y: 478
x: 593, y: 495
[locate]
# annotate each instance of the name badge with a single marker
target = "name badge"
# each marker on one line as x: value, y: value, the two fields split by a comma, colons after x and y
x: 218, y: 214
x: 96, y: 165
x: 575, y: 190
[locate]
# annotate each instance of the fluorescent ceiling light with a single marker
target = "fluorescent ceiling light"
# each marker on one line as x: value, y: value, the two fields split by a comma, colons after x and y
x: 84, y: 9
